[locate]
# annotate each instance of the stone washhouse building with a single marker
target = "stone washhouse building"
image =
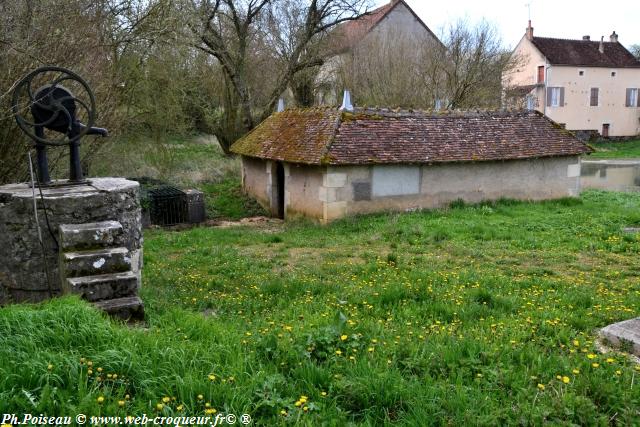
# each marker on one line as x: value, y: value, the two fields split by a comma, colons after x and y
x: 591, y: 87
x: 325, y: 163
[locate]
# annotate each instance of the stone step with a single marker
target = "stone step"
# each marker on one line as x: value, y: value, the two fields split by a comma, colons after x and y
x: 90, y: 235
x: 127, y: 308
x: 104, y: 286
x: 95, y: 262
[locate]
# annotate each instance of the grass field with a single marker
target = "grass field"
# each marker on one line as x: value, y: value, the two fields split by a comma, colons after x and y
x: 473, y: 315
x: 186, y: 162
x: 613, y: 150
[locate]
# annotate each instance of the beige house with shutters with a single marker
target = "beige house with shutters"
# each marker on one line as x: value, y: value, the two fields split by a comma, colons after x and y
x: 591, y: 87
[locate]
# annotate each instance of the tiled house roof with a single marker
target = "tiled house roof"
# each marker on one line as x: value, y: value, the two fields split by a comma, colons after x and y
x: 321, y: 136
x: 585, y: 53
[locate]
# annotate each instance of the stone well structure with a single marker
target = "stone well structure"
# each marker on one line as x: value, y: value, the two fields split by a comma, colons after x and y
x: 92, y: 243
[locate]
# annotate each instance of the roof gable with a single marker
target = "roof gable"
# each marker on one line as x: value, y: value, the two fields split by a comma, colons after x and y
x: 584, y: 53
x: 328, y: 136
x: 351, y: 32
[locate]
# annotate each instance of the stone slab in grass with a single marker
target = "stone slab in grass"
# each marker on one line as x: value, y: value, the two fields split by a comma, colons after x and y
x: 624, y: 335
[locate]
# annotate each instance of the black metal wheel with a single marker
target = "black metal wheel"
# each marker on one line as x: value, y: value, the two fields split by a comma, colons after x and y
x: 53, y: 106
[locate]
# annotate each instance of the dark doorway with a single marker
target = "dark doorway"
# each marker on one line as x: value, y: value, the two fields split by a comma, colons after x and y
x: 280, y: 190
x: 605, y: 130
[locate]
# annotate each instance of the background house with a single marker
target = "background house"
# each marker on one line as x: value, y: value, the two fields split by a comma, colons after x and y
x: 584, y: 85
x: 325, y: 163
x: 392, y: 27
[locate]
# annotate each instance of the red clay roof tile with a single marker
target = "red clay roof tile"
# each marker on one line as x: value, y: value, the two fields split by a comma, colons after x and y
x: 328, y: 136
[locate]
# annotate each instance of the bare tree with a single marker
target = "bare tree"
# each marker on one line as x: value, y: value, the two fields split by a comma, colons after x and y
x: 234, y: 32
x: 386, y: 68
x: 635, y: 50
x: 473, y: 65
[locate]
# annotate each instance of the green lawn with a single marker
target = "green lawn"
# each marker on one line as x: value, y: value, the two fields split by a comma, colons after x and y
x: 474, y: 315
x: 183, y: 161
x: 616, y: 150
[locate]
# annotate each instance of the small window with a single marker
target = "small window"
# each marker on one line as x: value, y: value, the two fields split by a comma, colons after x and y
x: 541, y: 74
x: 581, y: 73
x: 594, y: 97
x: 613, y: 74
x: 555, y: 97
x: 632, y: 99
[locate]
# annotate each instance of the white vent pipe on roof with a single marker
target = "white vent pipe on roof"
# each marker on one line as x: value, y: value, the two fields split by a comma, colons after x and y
x: 346, y: 101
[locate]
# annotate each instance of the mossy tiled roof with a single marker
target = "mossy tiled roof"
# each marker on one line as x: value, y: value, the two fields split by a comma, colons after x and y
x: 328, y: 136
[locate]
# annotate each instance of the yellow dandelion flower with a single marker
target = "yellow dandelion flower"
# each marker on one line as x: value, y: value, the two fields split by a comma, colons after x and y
x: 595, y: 365
x: 576, y: 343
x: 618, y: 372
x: 566, y: 380
x: 180, y: 408
x: 297, y: 403
x: 159, y: 406
x: 591, y: 356
x: 49, y: 367
x: 370, y: 349
x: 121, y: 403
x: 541, y: 387
x: 283, y: 412
x: 610, y: 360
x: 576, y: 371
x: 338, y: 352
x: 212, y: 377
x: 343, y: 337
x: 100, y: 400
x: 324, y: 393
x: 166, y: 399
x: 200, y: 397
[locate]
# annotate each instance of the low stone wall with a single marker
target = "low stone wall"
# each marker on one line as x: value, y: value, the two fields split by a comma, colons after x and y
x: 22, y: 273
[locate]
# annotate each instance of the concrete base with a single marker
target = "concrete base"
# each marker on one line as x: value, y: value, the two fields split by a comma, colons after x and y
x: 624, y: 335
x: 23, y: 276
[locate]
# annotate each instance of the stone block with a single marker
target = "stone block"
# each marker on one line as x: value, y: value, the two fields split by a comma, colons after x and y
x: 127, y: 308
x: 335, y: 179
x: 90, y: 235
x: 105, y: 286
x: 95, y: 262
x: 335, y: 210
x: 624, y: 335
x: 573, y: 171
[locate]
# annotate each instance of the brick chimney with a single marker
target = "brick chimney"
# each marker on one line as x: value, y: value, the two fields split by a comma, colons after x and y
x: 586, y: 37
x: 529, y: 32
x: 601, y: 47
x: 613, y: 38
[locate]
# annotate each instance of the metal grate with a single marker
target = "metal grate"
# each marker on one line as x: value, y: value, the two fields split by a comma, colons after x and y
x: 168, y: 205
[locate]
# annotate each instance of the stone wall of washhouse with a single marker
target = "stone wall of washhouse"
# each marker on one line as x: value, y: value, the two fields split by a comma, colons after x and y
x: 331, y: 192
x: 351, y: 190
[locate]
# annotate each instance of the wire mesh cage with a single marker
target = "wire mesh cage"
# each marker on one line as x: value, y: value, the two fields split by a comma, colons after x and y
x: 168, y: 205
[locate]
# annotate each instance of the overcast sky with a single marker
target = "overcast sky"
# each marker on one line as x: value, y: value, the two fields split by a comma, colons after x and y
x: 550, y: 18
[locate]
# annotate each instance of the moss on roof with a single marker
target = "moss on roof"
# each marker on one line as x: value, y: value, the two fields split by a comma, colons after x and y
x: 327, y: 136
